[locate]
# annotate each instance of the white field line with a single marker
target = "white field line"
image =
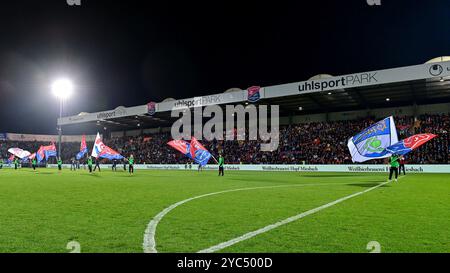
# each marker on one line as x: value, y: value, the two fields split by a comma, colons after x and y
x: 149, y: 244
x: 284, y: 222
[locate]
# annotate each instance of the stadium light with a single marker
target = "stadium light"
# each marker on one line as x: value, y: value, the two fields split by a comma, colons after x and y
x: 62, y: 88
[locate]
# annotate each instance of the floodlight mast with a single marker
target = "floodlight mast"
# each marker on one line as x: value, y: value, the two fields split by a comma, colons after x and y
x: 62, y: 89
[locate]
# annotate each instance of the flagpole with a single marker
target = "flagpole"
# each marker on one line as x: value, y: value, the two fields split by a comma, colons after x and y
x: 215, y: 159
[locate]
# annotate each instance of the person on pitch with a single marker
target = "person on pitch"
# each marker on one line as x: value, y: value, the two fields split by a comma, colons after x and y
x: 131, y: 164
x: 1, y: 163
x: 16, y: 163
x: 89, y: 163
x: 402, y: 165
x: 73, y: 164
x: 34, y: 163
x: 97, y: 165
x: 394, y: 161
x: 221, y: 163
x: 59, y: 164
x: 114, y: 165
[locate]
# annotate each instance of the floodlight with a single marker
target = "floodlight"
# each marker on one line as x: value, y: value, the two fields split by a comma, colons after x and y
x: 62, y: 88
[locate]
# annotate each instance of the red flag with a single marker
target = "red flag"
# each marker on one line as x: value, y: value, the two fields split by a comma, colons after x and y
x: 179, y: 145
x: 40, y: 153
x: 409, y: 144
x: 195, y: 145
x: 83, y: 145
x: 46, y: 151
x: 199, y: 153
x: 415, y: 141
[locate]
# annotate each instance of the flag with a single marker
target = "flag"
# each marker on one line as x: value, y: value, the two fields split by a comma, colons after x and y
x: 19, y: 152
x: 50, y: 151
x: 46, y: 151
x: 40, y: 154
x: 103, y: 151
x: 409, y: 144
x: 109, y: 154
x: 83, y: 148
x: 11, y: 159
x: 199, y: 153
x: 372, y: 142
x: 182, y: 146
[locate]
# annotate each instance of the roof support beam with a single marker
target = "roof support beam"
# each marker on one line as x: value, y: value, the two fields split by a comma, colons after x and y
x: 361, y: 99
x: 311, y: 97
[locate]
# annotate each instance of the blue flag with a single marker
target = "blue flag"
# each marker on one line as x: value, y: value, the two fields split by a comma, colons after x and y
x: 199, y: 153
x: 372, y: 142
x: 81, y: 154
x: 83, y: 148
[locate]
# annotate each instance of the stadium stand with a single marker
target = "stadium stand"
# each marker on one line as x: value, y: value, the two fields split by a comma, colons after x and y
x: 303, y: 143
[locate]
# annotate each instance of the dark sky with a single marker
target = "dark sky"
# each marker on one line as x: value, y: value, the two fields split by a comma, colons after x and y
x: 132, y: 52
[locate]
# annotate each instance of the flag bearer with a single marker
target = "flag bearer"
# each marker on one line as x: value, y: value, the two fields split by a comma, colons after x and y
x: 394, y: 161
x: 59, y: 164
x: 89, y: 163
x: 34, y: 163
x: 16, y: 163
x: 131, y: 164
x: 221, y: 163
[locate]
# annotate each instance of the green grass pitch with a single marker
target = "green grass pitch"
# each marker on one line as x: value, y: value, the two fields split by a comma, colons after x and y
x: 109, y: 212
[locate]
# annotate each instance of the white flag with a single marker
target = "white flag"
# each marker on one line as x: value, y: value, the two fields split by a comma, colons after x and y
x: 372, y: 142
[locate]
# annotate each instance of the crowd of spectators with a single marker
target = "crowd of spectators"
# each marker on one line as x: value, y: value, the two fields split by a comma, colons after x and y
x: 308, y: 143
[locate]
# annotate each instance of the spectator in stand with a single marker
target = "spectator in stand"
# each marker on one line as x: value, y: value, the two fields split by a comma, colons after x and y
x: 309, y: 143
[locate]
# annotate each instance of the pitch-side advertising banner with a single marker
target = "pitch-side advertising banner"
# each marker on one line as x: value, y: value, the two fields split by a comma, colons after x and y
x: 288, y: 168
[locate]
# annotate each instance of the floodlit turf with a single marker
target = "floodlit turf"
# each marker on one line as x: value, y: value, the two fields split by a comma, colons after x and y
x: 109, y: 212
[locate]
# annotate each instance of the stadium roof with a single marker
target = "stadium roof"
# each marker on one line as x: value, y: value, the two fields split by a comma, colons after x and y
x: 378, y: 96
x: 420, y: 84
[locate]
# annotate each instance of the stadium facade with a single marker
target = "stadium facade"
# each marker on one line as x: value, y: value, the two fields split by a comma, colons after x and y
x: 404, y: 86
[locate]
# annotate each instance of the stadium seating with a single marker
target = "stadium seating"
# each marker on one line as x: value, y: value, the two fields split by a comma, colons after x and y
x: 309, y: 143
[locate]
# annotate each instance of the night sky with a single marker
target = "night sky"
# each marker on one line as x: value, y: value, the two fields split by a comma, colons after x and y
x: 132, y: 52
